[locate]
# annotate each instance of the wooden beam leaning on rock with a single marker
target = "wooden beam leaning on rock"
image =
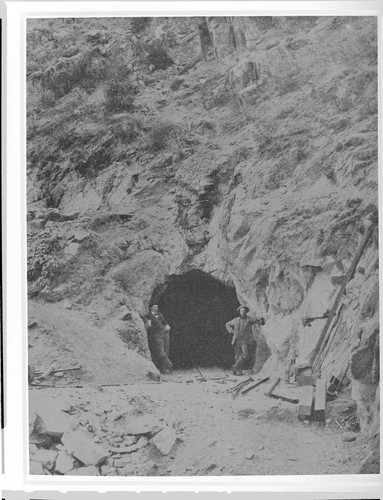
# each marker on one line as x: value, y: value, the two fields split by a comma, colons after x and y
x: 333, y: 312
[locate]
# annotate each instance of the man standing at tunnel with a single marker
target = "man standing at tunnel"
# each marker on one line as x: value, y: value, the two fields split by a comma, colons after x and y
x: 243, y: 339
x: 159, y: 339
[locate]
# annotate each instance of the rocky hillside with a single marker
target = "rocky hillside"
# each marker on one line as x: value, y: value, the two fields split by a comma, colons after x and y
x: 244, y: 148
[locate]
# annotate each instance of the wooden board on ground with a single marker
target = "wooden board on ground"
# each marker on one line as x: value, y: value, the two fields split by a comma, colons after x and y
x: 272, y: 386
x: 320, y: 400
x: 306, y: 402
x: 257, y: 383
x: 290, y: 394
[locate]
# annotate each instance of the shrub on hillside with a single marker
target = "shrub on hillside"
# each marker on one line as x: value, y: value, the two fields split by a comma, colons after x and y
x: 119, y: 96
x: 158, y: 136
x: 158, y: 56
x: 138, y: 24
x: 85, y: 71
x: 126, y: 131
x: 176, y: 84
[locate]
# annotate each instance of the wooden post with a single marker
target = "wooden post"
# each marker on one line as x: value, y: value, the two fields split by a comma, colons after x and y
x: 306, y: 402
x: 327, y: 344
x: 320, y: 400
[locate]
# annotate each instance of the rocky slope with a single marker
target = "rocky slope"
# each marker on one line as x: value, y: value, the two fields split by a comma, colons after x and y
x: 245, y: 148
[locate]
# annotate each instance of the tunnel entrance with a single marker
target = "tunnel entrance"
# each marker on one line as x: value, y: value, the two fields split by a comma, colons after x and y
x: 197, y: 306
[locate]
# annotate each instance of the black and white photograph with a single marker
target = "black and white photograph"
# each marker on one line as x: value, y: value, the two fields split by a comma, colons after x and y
x: 202, y: 245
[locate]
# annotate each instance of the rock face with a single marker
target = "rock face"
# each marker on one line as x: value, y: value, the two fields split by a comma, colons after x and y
x: 257, y: 166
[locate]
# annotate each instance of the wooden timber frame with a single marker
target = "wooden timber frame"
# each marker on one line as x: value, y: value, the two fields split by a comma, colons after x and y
x: 322, y: 341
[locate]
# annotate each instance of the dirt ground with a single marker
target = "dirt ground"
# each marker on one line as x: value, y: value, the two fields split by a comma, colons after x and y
x: 216, y: 433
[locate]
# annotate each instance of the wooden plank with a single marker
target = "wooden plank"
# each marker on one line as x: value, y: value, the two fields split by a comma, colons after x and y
x: 284, y: 398
x: 320, y: 400
x: 320, y: 394
x: 273, y: 385
x: 329, y: 339
x: 306, y: 401
x: 255, y: 385
x: 244, y: 384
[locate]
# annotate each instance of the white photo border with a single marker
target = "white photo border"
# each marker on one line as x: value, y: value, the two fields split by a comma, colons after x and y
x: 14, y: 206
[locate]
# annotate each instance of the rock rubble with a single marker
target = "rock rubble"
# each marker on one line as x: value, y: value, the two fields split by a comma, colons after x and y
x: 68, y: 447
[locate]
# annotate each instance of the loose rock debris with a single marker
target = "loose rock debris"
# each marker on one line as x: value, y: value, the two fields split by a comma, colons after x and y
x: 66, y: 446
x: 175, y: 428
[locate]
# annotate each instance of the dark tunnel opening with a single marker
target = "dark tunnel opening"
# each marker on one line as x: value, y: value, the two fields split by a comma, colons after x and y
x: 197, y: 306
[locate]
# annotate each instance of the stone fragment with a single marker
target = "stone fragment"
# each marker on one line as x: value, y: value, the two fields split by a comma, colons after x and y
x: 249, y: 455
x: 49, y: 421
x: 72, y: 249
x: 81, y: 235
x: 94, y: 425
x: 59, y: 374
x: 153, y: 376
x: 130, y: 440
x: 107, y: 470
x: 46, y: 458
x: 82, y: 447
x: 35, y: 468
x: 128, y: 470
x: 164, y: 440
x: 64, y: 463
x: 349, y: 437
x: 84, y: 471
x: 120, y: 462
x: 143, y: 441
x: 172, y: 421
x: 66, y: 304
x: 145, y: 424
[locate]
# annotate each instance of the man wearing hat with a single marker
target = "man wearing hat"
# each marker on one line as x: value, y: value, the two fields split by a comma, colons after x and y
x: 159, y: 339
x: 243, y: 340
